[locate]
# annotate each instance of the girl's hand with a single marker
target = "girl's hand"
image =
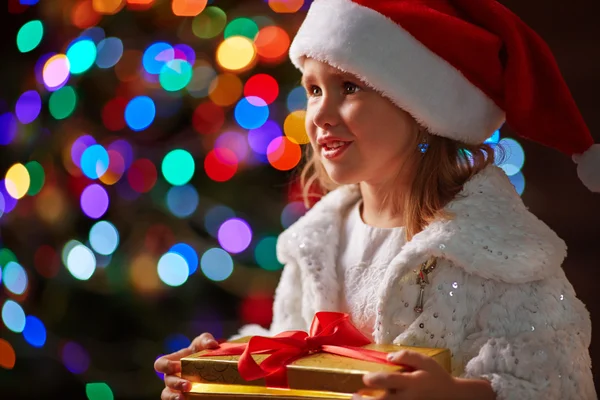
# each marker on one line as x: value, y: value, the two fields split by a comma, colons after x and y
x: 170, y: 366
x: 428, y: 381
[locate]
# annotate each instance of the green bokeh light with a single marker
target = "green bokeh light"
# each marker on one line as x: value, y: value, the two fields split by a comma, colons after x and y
x: 241, y: 27
x: 265, y: 254
x: 209, y: 23
x: 6, y: 256
x: 178, y: 167
x: 37, y: 177
x: 82, y: 55
x: 62, y: 102
x: 30, y: 35
x: 175, y: 75
x: 99, y: 391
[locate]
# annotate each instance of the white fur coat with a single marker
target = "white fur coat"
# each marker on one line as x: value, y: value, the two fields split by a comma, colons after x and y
x: 498, y: 299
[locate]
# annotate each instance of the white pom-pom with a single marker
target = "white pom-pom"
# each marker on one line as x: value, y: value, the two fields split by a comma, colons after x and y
x: 588, y: 167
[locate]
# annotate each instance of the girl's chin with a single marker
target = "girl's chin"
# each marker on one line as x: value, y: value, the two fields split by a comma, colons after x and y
x: 342, y: 176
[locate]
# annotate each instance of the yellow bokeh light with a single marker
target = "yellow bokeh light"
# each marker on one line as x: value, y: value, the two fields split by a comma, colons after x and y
x: 51, y: 205
x: 294, y: 128
x: 225, y: 89
x: 108, y: 6
x: 17, y: 181
x: 286, y: 6
x: 143, y: 274
x: 236, y: 53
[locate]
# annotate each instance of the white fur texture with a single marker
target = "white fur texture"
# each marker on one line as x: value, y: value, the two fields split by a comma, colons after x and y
x: 499, y: 299
x: 588, y: 167
x: 386, y: 57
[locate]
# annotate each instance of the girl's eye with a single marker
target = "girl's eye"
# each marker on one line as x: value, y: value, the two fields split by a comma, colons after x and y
x: 351, y: 88
x: 314, y: 91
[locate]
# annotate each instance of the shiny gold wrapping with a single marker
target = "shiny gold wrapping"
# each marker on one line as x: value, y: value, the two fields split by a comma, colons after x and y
x: 321, y: 372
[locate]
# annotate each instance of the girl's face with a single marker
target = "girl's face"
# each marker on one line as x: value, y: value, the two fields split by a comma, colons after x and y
x: 356, y: 133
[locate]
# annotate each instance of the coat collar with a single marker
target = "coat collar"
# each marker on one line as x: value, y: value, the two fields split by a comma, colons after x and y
x: 492, y: 235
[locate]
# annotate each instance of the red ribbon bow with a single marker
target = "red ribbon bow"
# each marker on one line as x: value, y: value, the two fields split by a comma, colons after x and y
x: 330, y: 332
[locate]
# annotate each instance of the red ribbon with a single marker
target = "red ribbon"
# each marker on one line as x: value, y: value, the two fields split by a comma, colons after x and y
x: 330, y: 332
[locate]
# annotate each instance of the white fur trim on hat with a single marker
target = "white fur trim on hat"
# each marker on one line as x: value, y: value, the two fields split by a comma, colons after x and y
x: 385, y: 56
x: 588, y: 167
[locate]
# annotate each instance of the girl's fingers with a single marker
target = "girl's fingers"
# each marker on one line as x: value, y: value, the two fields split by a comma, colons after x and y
x: 168, y: 394
x: 169, y: 364
x: 384, y: 380
x: 176, y: 383
x: 204, y: 341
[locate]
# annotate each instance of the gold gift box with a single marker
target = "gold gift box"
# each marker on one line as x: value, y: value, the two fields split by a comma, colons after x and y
x: 318, y: 375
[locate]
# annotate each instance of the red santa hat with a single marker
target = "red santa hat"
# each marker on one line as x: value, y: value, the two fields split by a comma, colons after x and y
x: 460, y: 67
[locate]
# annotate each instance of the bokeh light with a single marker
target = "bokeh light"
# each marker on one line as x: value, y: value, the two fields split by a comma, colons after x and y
x: 514, y: 156
x: 34, y: 331
x: 30, y: 36
x: 173, y: 269
x: 140, y: 113
x: 251, y: 112
x: 283, y: 154
x: 296, y: 99
x: 286, y: 6
x: 178, y: 167
x: 75, y: 358
x: 241, y: 27
x: 263, y: 86
x: 17, y: 181
x: 175, y: 75
x: 79, y: 146
x: 15, y: 278
x: 9, y: 201
x: 188, y: 253
x: 98, y: 391
x: 234, y: 141
x: 28, y: 106
x: 208, y: 118
x: 142, y: 175
x: 260, y: 138
x: 108, y: 7
x: 56, y: 72
x: 235, y: 235
x: 94, y: 201
x: 272, y: 43
x: 104, y: 238
x: 182, y: 201
x: 8, y: 356
x: 209, y: 23
x: 157, y: 56
x: 291, y: 213
x: 216, y: 264
x: 236, y: 53
x: 225, y: 89
x: 13, y: 316
x: 518, y: 181
x: 116, y: 168
x: 81, y: 262
x: 94, y: 161
x: 62, y: 102
x: 176, y: 342
x: 220, y: 164
x: 294, y: 127
x: 8, y: 128
x: 265, y: 254
x: 81, y: 55
x: 110, y: 51
x: 188, y: 8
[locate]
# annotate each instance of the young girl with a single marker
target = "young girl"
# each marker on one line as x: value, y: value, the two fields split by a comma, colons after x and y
x: 421, y: 239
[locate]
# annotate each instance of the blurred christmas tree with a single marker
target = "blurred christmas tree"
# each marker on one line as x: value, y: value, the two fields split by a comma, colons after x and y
x: 146, y: 154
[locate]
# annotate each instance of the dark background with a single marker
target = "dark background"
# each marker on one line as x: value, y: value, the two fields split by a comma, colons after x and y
x: 124, y: 332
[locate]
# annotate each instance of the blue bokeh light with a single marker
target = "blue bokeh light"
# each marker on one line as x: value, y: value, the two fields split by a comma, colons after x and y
x: 35, y: 331
x: 188, y: 253
x: 216, y: 264
x: 140, y: 113
x: 251, y: 112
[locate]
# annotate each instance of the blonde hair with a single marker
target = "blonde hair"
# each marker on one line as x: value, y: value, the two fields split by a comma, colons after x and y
x: 440, y: 175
